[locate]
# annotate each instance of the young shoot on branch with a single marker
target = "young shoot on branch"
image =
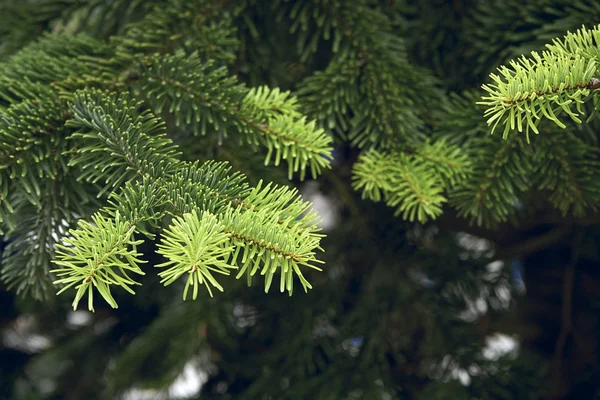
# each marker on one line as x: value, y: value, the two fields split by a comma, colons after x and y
x: 559, y: 80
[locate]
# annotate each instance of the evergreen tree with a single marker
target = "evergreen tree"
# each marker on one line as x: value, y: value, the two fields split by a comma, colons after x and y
x: 427, y: 174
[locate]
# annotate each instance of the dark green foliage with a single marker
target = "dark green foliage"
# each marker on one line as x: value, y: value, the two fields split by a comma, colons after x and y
x: 566, y: 167
x: 141, y: 146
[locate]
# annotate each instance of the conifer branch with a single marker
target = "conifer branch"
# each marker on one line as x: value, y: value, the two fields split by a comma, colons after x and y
x: 203, y: 26
x: 331, y: 94
x: 52, y: 60
x: 502, y: 172
x: 389, y: 87
x: 210, y: 186
x: 30, y: 249
x: 567, y: 168
x: 585, y: 42
x: 271, y: 246
x: 31, y: 142
x: 412, y: 182
x: 197, y: 246
x: 275, y: 228
x: 34, y: 227
x: 558, y: 81
x: 135, y: 142
x: 272, y: 227
x: 96, y: 256
x: 202, y: 97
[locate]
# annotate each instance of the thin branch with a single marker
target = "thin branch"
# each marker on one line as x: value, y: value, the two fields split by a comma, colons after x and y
x: 566, y: 324
x: 535, y: 243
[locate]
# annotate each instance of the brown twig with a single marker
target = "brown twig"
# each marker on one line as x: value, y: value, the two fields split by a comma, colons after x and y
x: 535, y: 243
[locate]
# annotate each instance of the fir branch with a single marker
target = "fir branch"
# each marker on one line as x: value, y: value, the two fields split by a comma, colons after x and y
x: 109, y: 116
x: 371, y: 174
x: 32, y: 138
x: 286, y: 134
x: 567, y: 167
x: 384, y: 117
x: 268, y: 246
x: 99, y: 18
x: 311, y: 25
x: 546, y: 85
x: 558, y: 162
x: 330, y: 95
x: 40, y: 194
x: 200, y: 95
x: 32, y: 233
x: 112, y: 124
x: 585, y: 42
x: 450, y: 162
x: 197, y: 246
x: 98, y: 255
x: 56, y: 58
x: 272, y: 224
x: 282, y: 201
x: 21, y: 22
x: 501, y: 174
x: 30, y: 249
x: 458, y: 121
x: 533, y: 25
x: 7, y: 220
x: 142, y: 201
x: 204, y: 26
x: 210, y: 186
x: 500, y: 171
x: 390, y: 88
x: 415, y: 196
x: 412, y: 182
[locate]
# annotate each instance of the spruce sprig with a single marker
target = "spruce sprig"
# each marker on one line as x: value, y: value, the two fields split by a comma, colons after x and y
x: 97, y: 256
x: 559, y: 80
x: 207, y: 98
x: 198, y: 246
x: 414, y: 182
x: 108, y: 123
